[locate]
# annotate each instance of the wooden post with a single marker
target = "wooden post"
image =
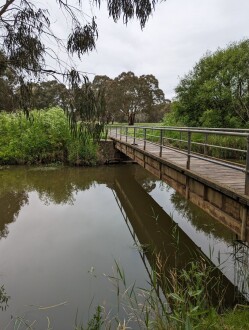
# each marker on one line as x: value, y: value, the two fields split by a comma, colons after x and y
x: 126, y: 133
x: 116, y: 132
x: 134, y: 136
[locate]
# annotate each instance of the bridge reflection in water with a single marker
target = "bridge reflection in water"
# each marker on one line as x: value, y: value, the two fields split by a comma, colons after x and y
x: 190, y: 165
x: 160, y: 241
x: 152, y: 229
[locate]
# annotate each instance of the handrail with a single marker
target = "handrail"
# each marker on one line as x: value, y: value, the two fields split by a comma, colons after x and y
x: 159, y: 137
x: 216, y: 131
x: 245, y: 130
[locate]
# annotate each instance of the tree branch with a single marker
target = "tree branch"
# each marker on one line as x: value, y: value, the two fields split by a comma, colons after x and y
x: 5, y: 7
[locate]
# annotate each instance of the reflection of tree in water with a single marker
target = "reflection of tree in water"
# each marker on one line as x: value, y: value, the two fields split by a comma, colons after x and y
x: 52, y: 185
x: 148, y: 184
x: 198, y: 218
x: 10, y: 206
x: 56, y: 187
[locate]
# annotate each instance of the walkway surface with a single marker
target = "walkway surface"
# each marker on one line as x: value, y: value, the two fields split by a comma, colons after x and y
x: 220, y: 174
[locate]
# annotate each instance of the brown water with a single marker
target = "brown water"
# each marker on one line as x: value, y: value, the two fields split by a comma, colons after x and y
x: 61, y: 231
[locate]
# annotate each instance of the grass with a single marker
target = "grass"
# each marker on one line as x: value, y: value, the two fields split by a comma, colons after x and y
x: 230, y: 320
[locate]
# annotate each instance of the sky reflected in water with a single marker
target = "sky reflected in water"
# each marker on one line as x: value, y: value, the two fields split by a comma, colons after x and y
x: 62, y: 230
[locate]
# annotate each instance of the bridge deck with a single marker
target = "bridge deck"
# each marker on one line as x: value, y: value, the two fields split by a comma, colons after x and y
x: 224, y: 176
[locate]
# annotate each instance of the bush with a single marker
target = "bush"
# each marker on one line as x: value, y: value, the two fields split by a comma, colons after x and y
x: 82, y: 151
x: 44, y: 137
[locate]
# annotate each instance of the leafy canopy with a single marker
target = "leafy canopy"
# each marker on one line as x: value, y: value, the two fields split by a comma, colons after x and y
x: 216, y: 92
x: 129, y: 95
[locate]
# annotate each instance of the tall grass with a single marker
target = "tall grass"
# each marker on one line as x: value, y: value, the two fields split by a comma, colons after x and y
x: 186, y: 306
x: 181, y: 300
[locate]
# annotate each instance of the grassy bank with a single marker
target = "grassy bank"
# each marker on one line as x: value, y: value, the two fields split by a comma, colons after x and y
x: 44, y: 137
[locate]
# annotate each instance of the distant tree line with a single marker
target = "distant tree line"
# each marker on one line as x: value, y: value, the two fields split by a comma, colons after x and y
x: 120, y: 99
x: 216, y: 92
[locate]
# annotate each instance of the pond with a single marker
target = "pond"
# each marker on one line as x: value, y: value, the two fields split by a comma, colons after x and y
x: 65, y: 233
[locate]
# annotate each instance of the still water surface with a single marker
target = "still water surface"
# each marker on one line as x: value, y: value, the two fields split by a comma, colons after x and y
x: 61, y: 231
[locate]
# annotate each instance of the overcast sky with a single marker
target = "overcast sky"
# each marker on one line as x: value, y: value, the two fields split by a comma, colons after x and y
x: 174, y: 39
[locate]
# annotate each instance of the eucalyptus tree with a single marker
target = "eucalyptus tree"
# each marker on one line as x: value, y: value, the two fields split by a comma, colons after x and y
x: 7, y: 83
x: 27, y: 32
x: 129, y: 95
x: 103, y: 85
x: 154, y: 101
x: 49, y: 94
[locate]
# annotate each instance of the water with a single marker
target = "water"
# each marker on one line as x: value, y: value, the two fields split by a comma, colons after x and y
x: 62, y: 230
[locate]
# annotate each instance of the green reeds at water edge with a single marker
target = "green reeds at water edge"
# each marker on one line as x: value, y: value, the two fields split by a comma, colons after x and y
x: 194, y: 295
x: 187, y: 304
x: 185, y: 297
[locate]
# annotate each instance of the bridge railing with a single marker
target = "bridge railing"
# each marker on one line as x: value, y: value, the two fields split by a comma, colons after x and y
x: 227, y: 147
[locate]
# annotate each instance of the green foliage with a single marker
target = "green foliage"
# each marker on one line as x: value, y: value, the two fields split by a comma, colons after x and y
x: 89, y: 109
x: 190, y: 298
x: 43, y: 138
x: 48, y: 94
x: 230, y: 320
x: 95, y: 323
x: 170, y: 118
x: 82, y: 151
x: 128, y: 96
x: 180, y: 300
x: 216, y: 92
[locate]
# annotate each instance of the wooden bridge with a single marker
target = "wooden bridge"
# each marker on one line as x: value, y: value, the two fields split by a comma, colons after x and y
x: 185, y: 159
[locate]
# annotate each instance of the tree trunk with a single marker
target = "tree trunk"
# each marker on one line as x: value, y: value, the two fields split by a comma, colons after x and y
x: 131, y: 118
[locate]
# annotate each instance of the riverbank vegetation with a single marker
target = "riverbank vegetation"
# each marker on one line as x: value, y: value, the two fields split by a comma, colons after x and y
x: 183, y: 300
x: 187, y: 304
x: 188, y: 298
x: 44, y: 137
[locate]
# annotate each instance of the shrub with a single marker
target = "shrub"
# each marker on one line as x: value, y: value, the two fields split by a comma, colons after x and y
x: 44, y: 137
